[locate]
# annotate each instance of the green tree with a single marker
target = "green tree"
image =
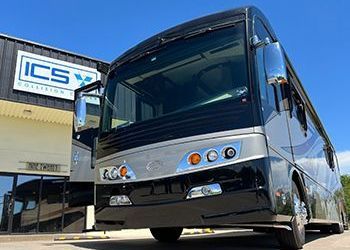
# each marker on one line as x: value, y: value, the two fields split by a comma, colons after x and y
x: 345, y: 180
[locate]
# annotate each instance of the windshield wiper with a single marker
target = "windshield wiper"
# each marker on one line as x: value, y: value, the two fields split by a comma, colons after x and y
x: 209, y: 29
x: 166, y: 40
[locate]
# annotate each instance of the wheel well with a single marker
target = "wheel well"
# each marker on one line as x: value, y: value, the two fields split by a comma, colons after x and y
x: 300, y: 185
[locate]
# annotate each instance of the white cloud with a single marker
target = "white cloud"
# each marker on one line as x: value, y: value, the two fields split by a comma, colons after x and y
x: 344, y: 161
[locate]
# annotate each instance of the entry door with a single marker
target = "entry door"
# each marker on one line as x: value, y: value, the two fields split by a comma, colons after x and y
x: 6, y: 203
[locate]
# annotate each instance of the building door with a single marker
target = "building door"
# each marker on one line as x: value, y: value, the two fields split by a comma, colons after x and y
x: 6, y: 202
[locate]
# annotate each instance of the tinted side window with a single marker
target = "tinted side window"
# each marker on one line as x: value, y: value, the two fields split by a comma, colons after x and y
x: 299, y: 107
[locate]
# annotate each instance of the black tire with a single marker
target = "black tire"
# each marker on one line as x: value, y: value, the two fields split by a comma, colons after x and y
x: 168, y: 234
x: 337, y: 228
x: 345, y: 222
x: 294, y: 239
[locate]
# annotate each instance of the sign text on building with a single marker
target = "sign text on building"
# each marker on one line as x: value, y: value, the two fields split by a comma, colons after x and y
x: 52, y: 77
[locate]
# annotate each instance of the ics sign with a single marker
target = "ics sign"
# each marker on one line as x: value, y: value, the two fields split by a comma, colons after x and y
x: 47, y: 76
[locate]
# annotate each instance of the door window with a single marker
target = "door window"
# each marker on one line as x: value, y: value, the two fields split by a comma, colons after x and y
x: 25, y: 216
x: 5, y: 201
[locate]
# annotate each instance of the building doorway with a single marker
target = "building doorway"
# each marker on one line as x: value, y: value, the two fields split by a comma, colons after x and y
x: 37, y: 203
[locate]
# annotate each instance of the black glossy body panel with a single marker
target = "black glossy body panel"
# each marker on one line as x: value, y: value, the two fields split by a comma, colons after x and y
x: 163, y: 202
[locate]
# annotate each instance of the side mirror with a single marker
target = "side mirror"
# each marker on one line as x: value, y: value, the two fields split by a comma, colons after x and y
x: 276, y: 72
x: 80, y: 112
x: 275, y: 66
x: 91, y: 94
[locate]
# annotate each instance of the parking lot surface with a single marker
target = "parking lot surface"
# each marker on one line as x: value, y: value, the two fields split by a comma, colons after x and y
x: 141, y: 239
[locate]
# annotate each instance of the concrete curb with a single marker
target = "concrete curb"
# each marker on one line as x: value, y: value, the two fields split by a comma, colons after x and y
x: 84, y: 237
x: 31, y: 237
x: 196, y: 231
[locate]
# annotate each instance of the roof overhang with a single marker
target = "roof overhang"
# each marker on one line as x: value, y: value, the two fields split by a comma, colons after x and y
x: 36, y: 113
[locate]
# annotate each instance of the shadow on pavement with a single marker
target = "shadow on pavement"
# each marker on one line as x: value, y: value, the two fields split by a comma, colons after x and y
x: 315, y: 235
x: 232, y: 240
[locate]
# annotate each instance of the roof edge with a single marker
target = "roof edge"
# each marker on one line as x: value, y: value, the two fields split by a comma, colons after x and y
x: 51, y: 47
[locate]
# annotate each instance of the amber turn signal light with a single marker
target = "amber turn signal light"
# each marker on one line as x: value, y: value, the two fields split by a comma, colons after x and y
x: 123, y: 171
x: 194, y: 158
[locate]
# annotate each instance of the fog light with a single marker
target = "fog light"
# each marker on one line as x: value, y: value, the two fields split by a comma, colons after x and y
x: 229, y: 153
x: 119, y: 200
x: 212, y: 155
x: 204, y: 191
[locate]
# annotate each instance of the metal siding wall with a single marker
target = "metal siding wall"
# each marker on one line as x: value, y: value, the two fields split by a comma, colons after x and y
x: 8, y: 57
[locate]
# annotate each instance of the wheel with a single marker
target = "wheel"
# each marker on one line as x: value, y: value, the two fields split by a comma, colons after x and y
x: 295, y: 238
x: 345, y: 222
x: 168, y: 234
x: 337, y: 228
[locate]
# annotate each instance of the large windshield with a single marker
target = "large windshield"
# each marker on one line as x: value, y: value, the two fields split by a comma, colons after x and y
x: 183, y: 75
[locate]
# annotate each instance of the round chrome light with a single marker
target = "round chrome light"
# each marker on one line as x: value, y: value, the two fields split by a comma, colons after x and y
x: 212, y: 155
x: 229, y: 152
x: 113, y: 173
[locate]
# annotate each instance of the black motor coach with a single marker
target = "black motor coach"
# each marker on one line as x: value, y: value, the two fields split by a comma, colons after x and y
x: 207, y: 125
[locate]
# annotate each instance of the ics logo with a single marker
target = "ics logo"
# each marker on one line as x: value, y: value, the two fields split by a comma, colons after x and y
x: 47, y: 76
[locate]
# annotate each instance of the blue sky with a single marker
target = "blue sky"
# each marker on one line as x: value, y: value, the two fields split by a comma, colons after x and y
x: 315, y: 34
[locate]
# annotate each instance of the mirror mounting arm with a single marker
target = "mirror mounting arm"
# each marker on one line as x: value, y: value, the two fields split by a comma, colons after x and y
x: 255, y: 42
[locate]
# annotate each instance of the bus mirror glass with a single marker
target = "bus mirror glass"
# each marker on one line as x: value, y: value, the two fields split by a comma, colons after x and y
x: 80, y: 112
x: 275, y: 66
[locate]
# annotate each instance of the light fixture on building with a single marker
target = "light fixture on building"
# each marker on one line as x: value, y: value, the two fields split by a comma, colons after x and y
x: 27, y: 112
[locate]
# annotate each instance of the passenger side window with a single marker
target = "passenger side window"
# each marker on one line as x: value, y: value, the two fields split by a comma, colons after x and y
x: 329, y: 156
x: 299, y: 107
x: 299, y: 110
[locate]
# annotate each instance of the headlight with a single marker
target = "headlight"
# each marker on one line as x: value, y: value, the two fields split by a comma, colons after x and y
x: 212, y: 155
x: 113, y: 173
x: 229, y: 152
